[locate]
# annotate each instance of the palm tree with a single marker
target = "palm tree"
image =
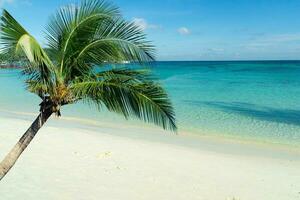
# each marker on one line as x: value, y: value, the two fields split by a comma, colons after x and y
x: 81, y: 40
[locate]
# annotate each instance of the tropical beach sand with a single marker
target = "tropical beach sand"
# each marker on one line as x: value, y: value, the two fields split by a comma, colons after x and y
x: 124, y: 162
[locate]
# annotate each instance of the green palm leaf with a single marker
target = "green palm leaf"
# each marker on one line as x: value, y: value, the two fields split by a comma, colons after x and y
x: 130, y: 93
x: 73, y: 27
x: 119, y: 41
x: 15, y: 39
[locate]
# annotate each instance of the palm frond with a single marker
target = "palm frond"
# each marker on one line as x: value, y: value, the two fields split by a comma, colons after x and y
x: 14, y: 38
x: 129, y: 94
x: 118, y: 41
x: 74, y: 26
x: 92, y: 33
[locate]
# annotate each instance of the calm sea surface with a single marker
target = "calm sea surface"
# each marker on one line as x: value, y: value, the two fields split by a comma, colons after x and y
x: 253, y: 100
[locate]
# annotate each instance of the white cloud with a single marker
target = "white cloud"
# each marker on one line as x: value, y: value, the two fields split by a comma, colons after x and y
x: 184, y: 31
x: 143, y: 24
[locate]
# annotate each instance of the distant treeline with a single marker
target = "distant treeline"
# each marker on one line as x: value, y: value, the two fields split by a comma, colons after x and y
x: 8, y: 61
x: 10, y: 66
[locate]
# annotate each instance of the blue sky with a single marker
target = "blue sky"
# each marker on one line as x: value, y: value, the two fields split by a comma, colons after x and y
x: 196, y: 29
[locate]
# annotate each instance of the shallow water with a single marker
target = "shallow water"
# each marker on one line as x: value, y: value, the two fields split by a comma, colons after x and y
x: 253, y: 100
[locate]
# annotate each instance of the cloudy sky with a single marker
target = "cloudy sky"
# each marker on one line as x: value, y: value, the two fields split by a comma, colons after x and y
x: 196, y: 29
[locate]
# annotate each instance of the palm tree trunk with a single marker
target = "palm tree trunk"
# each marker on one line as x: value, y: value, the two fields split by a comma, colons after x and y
x: 11, y: 158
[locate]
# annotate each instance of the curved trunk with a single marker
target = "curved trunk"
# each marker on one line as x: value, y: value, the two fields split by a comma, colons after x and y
x: 11, y: 158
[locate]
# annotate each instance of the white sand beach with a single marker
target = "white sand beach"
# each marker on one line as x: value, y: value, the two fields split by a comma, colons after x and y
x: 133, y: 163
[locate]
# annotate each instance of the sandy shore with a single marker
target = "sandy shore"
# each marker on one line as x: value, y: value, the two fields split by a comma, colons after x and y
x: 136, y: 164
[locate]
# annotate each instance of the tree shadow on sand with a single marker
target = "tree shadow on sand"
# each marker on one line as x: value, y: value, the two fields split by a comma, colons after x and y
x: 287, y: 116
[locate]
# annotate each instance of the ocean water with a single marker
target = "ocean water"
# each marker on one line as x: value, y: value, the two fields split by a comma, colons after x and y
x: 257, y: 100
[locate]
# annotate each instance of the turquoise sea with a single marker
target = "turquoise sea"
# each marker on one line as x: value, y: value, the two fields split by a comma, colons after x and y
x: 257, y: 100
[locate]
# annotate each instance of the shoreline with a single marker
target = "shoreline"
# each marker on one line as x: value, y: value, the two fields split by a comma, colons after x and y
x: 83, y: 123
